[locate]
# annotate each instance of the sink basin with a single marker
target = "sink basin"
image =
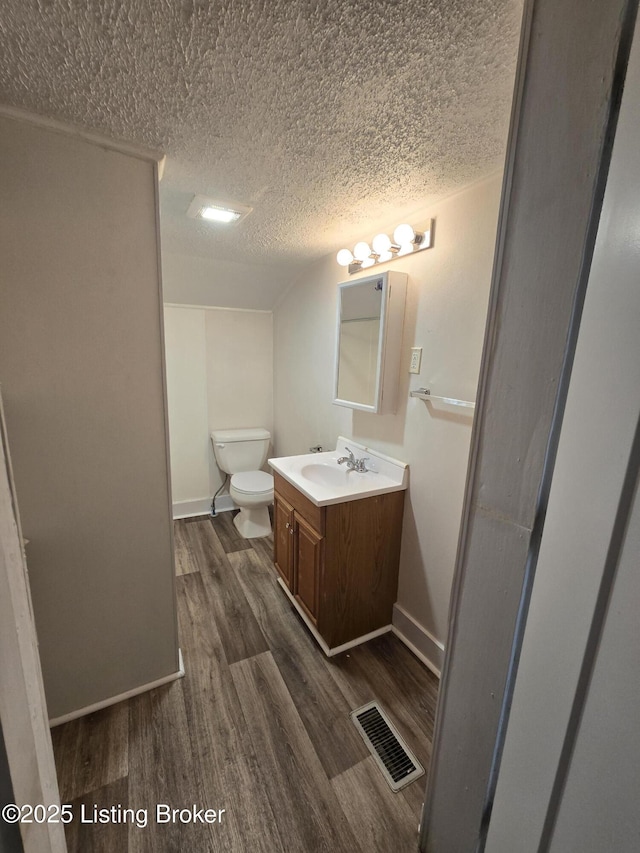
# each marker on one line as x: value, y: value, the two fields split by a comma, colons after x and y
x: 325, y: 474
x: 323, y: 481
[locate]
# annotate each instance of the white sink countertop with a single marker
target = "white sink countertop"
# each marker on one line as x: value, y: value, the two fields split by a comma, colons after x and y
x: 324, y: 482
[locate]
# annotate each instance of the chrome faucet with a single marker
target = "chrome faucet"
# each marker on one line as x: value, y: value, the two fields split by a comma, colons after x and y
x: 350, y: 460
x: 354, y: 464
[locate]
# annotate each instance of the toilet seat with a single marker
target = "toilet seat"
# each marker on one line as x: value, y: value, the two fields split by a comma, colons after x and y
x: 252, y: 483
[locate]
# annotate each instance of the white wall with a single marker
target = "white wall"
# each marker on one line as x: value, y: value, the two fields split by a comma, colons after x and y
x: 81, y: 367
x: 186, y: 356
x: 219, y: 376
x: 445, y: 314
x: 193, y: 280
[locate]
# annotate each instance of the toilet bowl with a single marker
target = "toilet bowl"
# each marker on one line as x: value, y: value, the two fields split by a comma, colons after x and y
x: 241, y: 453
x: 252, y: 491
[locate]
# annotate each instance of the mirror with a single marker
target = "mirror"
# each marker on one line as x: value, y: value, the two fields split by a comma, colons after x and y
x: 359, y: 341
x: 369, y: 327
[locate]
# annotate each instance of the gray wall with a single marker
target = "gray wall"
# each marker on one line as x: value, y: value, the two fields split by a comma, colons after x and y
x: 81, y: 367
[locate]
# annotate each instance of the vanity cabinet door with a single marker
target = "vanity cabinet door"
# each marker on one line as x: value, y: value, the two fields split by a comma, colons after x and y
x: 308, y: 544
x: 283, y: 539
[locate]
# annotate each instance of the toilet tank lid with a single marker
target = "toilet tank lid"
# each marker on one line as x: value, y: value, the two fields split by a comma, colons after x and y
x: 230, y: 435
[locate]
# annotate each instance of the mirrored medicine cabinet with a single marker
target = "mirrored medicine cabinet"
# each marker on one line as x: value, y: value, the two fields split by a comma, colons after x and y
x: 370, y: 320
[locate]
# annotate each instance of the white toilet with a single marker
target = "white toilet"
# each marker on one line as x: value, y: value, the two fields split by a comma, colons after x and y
x: 241, y: 453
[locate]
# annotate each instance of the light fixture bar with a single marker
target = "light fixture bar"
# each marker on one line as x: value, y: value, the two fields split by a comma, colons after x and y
x: 406, y: 241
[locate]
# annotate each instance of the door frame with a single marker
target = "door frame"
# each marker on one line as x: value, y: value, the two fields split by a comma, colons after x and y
x: 563, y: 125
x: 23, y: 708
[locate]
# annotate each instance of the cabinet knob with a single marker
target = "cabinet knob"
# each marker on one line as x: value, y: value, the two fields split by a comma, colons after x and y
x: 291, y: 531
x: 288, y: 525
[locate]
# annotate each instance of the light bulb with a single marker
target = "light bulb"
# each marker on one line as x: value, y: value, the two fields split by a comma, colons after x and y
x: 404, y: 234
x: 344, y: 257
x: 381, y: 243
x: 362, y: 251
x: 385, y: 256
x: 405, y: 249
x: 219, y: 214
x: 368, y: 262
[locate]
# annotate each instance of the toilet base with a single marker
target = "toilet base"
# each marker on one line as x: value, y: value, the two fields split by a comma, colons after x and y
x: 253, y: 523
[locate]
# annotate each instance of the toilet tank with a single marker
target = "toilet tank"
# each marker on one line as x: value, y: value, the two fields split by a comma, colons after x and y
x: 240, y: 449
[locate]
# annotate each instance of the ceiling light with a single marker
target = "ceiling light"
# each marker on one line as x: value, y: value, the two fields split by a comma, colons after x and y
x: 217, y: 211
x: 220, y: 214
x: 406, y: 241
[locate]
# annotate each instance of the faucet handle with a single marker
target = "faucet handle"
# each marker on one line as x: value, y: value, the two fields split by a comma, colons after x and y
x: 360, y: 466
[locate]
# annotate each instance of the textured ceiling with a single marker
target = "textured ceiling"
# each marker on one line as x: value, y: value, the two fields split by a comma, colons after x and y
x: 328, y: 118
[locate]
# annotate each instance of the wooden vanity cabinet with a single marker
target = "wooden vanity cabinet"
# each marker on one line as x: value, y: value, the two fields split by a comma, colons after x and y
x: 298, y: 545
x: 282, y: 541
x: 339, y: 563
x: 307, y: 565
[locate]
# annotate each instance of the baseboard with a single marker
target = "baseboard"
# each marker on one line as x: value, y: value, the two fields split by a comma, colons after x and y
x: 336, y: 650
x: 187, y: 509
x: 202, y: 506
x: 98, y: 706
x: 224, y: 503
x: 418, y: 640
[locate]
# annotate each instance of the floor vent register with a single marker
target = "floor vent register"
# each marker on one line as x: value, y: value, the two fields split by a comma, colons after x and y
x: 397, y: 763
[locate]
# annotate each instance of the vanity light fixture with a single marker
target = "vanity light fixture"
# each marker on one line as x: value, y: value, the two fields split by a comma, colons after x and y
x: 218, y: 212
x: 406, y: 241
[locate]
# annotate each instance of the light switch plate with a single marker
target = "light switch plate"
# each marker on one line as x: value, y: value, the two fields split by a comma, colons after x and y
x: 416, y: 359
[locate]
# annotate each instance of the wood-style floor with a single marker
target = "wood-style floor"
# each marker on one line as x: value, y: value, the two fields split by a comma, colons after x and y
x: 259, y: 726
